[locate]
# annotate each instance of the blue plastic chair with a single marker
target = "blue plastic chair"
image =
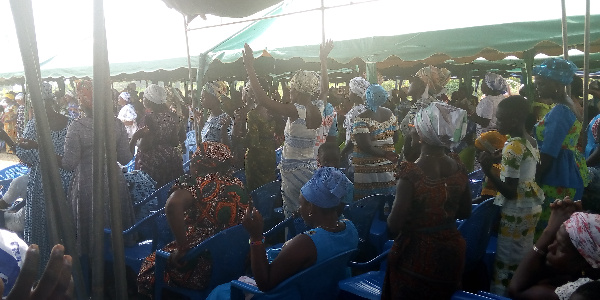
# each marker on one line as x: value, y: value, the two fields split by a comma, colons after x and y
x: 476, y: 179
x: 4, y: 184
x: 462, y: 295
x: 492, y: 296
x: 154, y: 233
x: 190, y: 145
x: 362, y: 213
x: 154, y: 202
x: 367, y: 285
x: 186, y: 166
x: 228, y: 250
x: 476, y: 231
x: 131, y: 165
x: 13, y: 171
x: 319, y: 281
x: 265, y: 198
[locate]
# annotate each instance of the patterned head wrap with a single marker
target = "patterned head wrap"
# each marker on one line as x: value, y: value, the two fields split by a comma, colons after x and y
x: 496, y: 82
x: 307, y: 82
x: 19, y: 96
x: 326, y: 188
x: 557, y: 69
x: 211, y: 155
x: 216, y: 88
x: 441, y: 124
x: 126, y: 96
x: 492, y: 138
x: 584, y: 232
x: 70, y: 93
x: 358, y: 86
x: 85, y: 89
x: 9, y: 96
x: 247, y: 88
x: 434, y: 78
x: 375, y: 96
x: 47, y: 94
x: 156, y: 94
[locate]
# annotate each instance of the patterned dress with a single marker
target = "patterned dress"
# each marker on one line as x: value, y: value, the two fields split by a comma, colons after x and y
x: 219, y: 203
x: 557, y: 135
x: 211, y: 132
x: 162, y: 160
x: 10, y: 121
x: 260, y: 156
x: 79, y: 145
x: 428, y: 257
x: 518, y: 216
x: 20, y: 120
x: 298, y: 162
x: 35, y: 207
x: 374, y: 175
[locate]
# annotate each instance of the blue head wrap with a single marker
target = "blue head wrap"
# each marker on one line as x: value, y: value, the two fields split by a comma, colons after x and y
x: 326, y: 188
x: 557, y: 69
x: 375, y: 96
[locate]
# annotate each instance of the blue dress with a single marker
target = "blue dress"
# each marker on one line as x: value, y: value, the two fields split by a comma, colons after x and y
x: 591, y: 140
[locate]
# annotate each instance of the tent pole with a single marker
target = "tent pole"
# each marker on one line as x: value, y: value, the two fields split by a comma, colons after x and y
x: 323, y: 22
x: 105, y: 151
x: 586, y: 63
x: 189, y: 60
x: 63, y: 230
x: 565, y: 40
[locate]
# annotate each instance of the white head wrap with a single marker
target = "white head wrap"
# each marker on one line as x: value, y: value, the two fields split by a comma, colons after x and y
x: 584, y: 232
x: 441, y: 124
x: 156, y: 94
x: 358, y: 86
x: 307, y: 82
x: 126, y: 96
x: 19, y: 96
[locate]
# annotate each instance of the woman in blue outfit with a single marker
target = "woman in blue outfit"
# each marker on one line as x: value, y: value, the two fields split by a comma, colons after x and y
x: 562, y: 171
x: 319, y: 200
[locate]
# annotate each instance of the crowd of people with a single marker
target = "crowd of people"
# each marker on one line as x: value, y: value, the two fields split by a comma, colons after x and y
x: 340, y: 145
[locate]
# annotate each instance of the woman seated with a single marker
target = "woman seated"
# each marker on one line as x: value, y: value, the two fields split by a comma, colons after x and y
x: 319, y: 200
x: 428, y: 255
x: 563, y: 258
x: 202, y: 204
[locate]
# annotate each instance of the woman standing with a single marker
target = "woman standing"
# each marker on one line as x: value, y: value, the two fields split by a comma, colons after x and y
x: 127, y: 114
x: 163, y: 132
x: 303, y: 119
x: 374, y: 132
x: 217, y: 127
x: 78, y: 150
x: 26, y: 150
x: 563, y: 170
x: 203, y: 203
x: 428, y: 255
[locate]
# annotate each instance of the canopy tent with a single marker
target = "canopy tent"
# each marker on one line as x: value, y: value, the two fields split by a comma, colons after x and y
x: 223, y: 8
x: 394, y: 34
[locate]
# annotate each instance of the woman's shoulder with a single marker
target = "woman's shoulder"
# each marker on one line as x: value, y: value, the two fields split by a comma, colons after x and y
x: 409, y: 171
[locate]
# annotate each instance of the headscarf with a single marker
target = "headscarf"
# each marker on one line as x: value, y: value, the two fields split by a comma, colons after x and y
x: 434, y: 78
x: 85, y: 89
x: 493, y: 138
x: 47, y: 94
x: 216, y: 88
x: 211, y: 155
x: 441, y: 124
x: 496, y: 82
x: 126, y: 96
x: 307, y: 82
x: 584, y: 232
x: 70, y: 93
x: 155, y: 94
x: 326, y: 188
x: 19, y: 96
x: 12, y: 255
x: 9, y: 96
x: 375, y: 96
x: 358, y: 86
x: 557, y: 69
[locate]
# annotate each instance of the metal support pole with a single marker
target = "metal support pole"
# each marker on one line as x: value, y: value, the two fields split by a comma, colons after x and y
x: 586, y: 63
x: 63, y: 230
x: 565, y: 41
x: 323, y: 22
x: 190, y: 73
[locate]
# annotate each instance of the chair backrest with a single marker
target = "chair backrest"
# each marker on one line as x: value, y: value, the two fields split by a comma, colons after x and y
x: 241, y: 175
x: 186, y: 166
x: 319, y: 281
x: 476, y: 231
x: 265, y: 197
x: 162, y: 231
x: 13, y: 171
x: 131, y: 165
x: 228, y: 250
x: 363, y: 211
x: 4, y: 184
x: 158, y: 199
x: 476, y: 179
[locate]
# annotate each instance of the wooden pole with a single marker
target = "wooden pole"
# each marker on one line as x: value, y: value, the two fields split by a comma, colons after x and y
x: 586, y: 63
x: 56, y: 205
x: 105, y: 151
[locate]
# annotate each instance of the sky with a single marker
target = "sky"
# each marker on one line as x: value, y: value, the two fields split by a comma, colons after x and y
x: 144, y: 30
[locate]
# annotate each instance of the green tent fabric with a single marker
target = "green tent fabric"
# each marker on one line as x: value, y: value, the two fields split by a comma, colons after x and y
x: 389, y: 40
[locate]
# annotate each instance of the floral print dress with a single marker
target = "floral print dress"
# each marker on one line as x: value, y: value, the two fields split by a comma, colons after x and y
x: 518, y: 216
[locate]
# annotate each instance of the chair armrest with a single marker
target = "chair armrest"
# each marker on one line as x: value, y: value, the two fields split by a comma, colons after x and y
x: 159, y: 271
x: 371, y: 263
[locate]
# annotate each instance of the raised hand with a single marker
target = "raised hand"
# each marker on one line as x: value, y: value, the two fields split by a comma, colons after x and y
x: 253, y: 223
x: 326, y: 49
x: 248, y: 55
